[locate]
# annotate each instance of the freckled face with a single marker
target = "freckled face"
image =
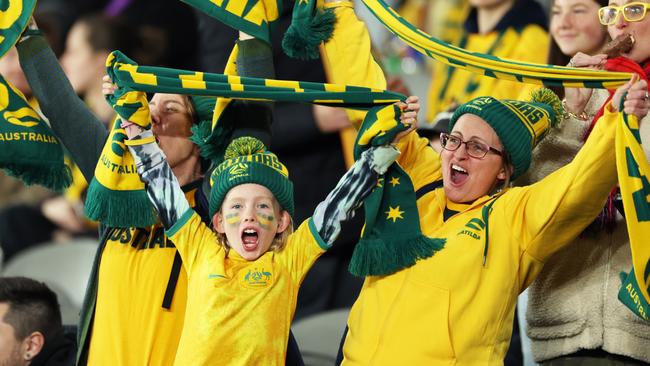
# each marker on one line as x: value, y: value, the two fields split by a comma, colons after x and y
x: 251, y: 218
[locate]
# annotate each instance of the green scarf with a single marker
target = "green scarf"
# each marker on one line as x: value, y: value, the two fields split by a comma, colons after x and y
x: 392, y: 239
x: 28, y: 148
x: 14, y: 16
x: 310, y: 26
x: 115, y: 175
x: 634, y: 179
x: 255, y: 17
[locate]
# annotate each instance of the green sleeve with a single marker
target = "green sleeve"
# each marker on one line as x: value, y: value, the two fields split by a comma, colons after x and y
x: 81, y: 132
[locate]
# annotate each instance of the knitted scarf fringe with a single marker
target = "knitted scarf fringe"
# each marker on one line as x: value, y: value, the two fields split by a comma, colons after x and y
x: 380, y: 257
x: 123, y: 209
x: 303, y: 37
x: 54, y: 177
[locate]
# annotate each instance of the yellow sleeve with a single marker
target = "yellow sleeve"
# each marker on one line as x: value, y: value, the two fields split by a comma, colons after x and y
x: 347, y: 55
x: 419, y: 160
x: 550, y: 213
x: 192, y: 239
x: 303, y: 248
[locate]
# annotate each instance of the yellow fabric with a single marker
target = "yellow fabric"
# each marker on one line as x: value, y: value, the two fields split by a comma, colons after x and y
x: 445, y: 19
x: 116, y: 168
x: 529, y: 45
x: 450, y: 307
x: 349, y: 39
x: 633, y: 173
x: 143, y: 333
x: 239, y: 312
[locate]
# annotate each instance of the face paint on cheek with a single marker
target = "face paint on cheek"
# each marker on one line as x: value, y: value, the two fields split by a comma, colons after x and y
x: 265, y: 220
x: 233, y: 219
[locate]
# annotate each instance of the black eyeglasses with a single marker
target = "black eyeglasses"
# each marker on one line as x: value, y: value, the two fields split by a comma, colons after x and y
x: 474, y: 149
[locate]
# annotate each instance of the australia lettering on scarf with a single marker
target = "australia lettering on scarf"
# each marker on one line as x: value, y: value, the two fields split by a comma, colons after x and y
x: 27, y: 136
x: 140, y: 238
x: 117, y: 168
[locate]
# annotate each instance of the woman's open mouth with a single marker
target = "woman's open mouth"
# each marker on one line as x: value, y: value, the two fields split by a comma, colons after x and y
x: 458, y: 175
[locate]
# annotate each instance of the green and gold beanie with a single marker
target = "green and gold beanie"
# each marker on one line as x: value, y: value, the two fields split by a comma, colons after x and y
x: 248, y: 161
x: 520, y: 125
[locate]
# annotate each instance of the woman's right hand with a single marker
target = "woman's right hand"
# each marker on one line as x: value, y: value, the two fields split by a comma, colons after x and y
x: 108, y: 88
x: 577, y: 98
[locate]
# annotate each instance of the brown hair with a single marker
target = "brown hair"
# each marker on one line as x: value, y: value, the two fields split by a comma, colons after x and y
x: 555, y: 54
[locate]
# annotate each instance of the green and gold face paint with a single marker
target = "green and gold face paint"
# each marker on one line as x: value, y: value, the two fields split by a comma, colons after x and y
x: 265, y: 220
x: 233, y: 219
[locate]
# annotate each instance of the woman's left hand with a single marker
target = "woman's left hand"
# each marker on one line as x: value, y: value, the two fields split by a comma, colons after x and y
x: 410, y: 108
x: 637, y: 100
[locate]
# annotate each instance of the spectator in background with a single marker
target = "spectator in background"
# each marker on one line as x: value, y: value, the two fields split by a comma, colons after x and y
x: 512, y: 29
x: 31, y: 332
x: 90, y: 40
x: 574, y: 316
x: 60, y: 218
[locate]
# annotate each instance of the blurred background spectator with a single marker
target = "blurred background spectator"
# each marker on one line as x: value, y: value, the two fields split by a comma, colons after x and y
x: 31, y: 332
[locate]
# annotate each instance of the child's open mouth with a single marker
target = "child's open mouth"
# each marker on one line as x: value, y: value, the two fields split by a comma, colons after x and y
x: 249, y: 239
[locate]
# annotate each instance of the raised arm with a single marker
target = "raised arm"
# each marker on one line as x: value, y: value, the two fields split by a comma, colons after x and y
x: 81, y: 132
x: 556, y: 209
x: 357, y: 183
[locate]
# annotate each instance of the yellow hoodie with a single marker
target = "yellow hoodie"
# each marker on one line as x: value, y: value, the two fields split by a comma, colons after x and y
x: 452, y: 308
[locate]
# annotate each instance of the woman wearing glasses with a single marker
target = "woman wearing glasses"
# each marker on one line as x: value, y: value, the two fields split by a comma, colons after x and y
x: 574, y: 316
x: 457, y: 306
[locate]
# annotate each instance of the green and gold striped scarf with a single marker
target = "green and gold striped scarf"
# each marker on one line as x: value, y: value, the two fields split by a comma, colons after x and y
x: 28, y: 148
x: 255, y: 17
x: 115, y: 175
x: 488, y: 65
x: 634, y: 180
x: 392, y: 238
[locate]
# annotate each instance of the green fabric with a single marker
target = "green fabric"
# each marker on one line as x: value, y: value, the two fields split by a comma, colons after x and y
x: 310, y: 26
x: 150, y: 79
x: 130, y: 77
x: 630, y: 294
x: 28, y: 148
x: 519, y: 125
x: 392, y: 238
x: 248, y: 161
x: 255, y: 17
x: 14, y: 16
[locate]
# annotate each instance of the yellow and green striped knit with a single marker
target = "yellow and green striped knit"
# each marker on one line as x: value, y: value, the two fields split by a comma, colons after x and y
x: 487, y: 65
x: 14, y: 16
x: 29, y: 150
x: 634, y: 179
x: 255, y: 17
x: 116, y: 185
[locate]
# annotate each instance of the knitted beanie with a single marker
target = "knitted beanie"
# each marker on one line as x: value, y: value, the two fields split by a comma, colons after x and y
x: 519, y: 125
x: 248, y: 161
x: 204, y: 107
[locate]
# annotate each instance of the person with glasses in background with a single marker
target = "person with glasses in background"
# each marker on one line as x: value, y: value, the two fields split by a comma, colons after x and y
x: 574, y: 316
